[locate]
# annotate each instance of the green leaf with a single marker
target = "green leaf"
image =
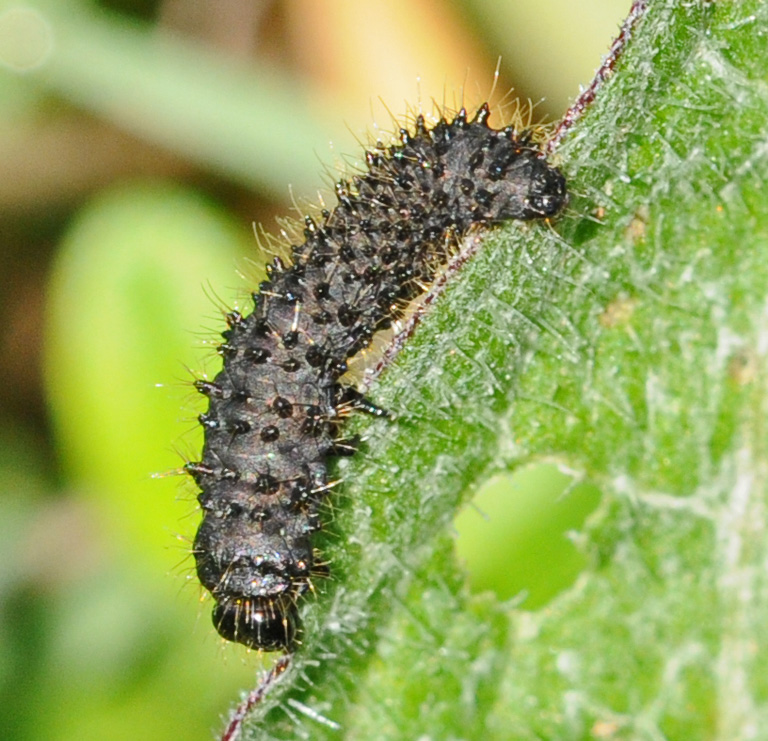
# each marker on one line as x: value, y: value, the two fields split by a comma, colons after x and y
x: 141, y: 254
x: 123, y: 339
x: 628, y: 345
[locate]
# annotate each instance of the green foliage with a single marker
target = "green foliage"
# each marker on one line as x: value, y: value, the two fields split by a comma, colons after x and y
x: 142, y: 253
x: 627, y: 345
x: 127, y: 644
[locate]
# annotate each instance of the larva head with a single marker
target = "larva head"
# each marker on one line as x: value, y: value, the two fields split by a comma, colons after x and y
x: 263, y: 624
x: 255, y: 575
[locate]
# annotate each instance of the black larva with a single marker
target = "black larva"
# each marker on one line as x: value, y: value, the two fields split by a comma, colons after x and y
x: 274, y: 410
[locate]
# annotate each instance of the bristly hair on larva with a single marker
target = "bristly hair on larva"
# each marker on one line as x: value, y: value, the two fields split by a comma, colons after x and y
x: 276, y: 409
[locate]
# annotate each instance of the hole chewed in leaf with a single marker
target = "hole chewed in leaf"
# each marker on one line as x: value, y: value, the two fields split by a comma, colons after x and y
x: 514, y: 538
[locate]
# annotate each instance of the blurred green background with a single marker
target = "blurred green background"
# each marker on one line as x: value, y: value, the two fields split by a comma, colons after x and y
x: 140, y: 141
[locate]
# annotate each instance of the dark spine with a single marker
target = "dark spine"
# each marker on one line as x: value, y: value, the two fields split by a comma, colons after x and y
x: 273, y: 418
